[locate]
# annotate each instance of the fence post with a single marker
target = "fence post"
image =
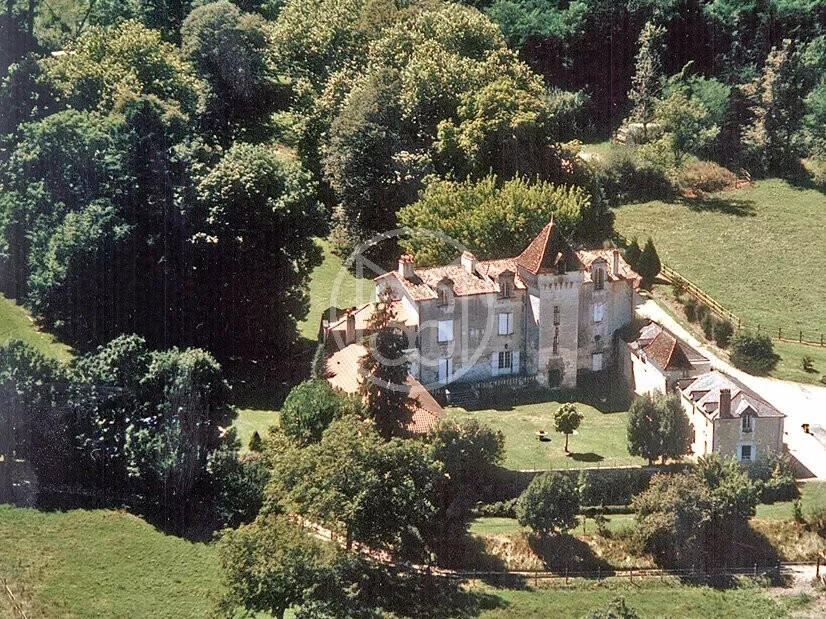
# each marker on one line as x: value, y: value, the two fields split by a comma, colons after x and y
x: 758, y: 328
x: 801, y: 336
x: 779, y: 333
x: 755, y: 570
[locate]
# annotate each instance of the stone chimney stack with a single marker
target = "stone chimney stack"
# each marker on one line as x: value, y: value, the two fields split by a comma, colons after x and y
x: 468, y: 262
x: 350, y: 331
x: 725, y: 403
x: 406, y: 266
x: 615, y: 263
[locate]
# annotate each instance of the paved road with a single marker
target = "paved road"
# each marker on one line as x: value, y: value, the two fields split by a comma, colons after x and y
x: 800, y: 403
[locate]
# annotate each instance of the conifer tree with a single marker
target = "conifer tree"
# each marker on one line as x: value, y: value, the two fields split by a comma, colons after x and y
x: 384, y: 371
x: 649, y: 264
x: 647, y: 80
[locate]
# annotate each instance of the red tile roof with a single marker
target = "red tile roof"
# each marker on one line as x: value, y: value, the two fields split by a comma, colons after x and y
x: 342, y: 372
x: 546, y: 251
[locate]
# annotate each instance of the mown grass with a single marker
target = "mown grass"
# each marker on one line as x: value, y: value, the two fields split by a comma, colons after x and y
x: 17, y: 324
x: 251, y: 420
x: 103, y: 563
x: 648, y: 599
x: 758, y: 251
x: 812, y: 498
x: 599, y: 441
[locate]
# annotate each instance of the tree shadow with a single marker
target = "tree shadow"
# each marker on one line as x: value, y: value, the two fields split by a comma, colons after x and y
x: 727, y: 206
x: 564, y: 553
x: 589, y: 456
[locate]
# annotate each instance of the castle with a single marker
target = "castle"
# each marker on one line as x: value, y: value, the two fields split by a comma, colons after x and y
x: 551, y: 312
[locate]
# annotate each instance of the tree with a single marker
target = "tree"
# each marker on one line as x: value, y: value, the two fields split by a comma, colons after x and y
x: 733, y: 495
x: 675, y: 428
x: 231, y: 52
x: 649, y: 265
x: 384, y: 370
x: 256, y: 444
x: 269, y: 565
x: 492, y: 218
x: 815, y: 120
x: 632, y: 254
x: 567, y: 419
x: 238, y: 481
x: 469, y: 453
x: 687, y: 125
x: 672, y: 516
x: 550, y: 503
x: 256, y: 214
x: 658, y: 428
x: 647, y: 80
x: 375, y: 491
x: 753, y: 353
x: 773, y: 139
x: 311, y: 407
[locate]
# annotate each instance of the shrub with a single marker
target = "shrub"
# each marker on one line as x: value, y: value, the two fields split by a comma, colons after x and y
x: 678, y: 287
x: 623, y: 178
x: 256, y: 445
x: 704, y: 177
x: 753, y: 353
x: 702, y: 312
x: 808, y: 363
x: 500, y: 509
x: 311, y: 407
x: 632, y: 254
x: 722, y: 333
x: 708, y: 325
x: 649, y: 264
x: 550, y: 503
x: 691, y: 309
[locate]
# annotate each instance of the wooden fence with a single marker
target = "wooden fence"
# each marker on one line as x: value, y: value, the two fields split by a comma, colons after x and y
x: 794, y: 334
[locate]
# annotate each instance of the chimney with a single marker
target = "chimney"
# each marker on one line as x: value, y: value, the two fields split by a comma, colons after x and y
x: 615, y: 264
x: 468, y: 262
x: 406, y: 266
x: 725, y: 403
x: 350, y: 332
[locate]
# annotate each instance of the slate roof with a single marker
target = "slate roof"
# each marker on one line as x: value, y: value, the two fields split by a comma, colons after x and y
x: 704, y: 391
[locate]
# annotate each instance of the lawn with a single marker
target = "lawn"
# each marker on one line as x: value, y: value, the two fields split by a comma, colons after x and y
x: 812, y: 498
x: 758, y: 251
x: 103, y: 563
x: 251, y: 420
x: 599, y: 441
x: 647, y: 598
x: 332, y: 285
x: 17, y: 324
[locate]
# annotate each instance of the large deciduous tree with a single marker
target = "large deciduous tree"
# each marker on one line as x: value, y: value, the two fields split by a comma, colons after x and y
x: 658, y: 428
x: 311, y: 407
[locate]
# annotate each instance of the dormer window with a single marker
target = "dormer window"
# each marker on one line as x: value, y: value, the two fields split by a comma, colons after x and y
x: 746, y: 423
x: 505, y: 289
x: 599, y: 278
x: 444, y: 297
x: 445, y: 291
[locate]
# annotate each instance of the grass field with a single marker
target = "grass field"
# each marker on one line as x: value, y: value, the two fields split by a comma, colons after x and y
x: 102, y: 563
x: 812, y: 498
x: 17, y: 324
x: 599, y: 441
x: 648, y: 599
x: 758, y: 251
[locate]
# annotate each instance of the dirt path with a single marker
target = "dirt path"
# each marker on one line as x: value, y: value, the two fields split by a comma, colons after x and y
x: 800, y: 403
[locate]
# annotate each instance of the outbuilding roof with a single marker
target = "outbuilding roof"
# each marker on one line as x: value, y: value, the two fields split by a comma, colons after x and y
x: 704, y: 391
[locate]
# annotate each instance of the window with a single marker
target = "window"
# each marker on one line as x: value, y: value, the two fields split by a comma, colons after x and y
x: 599, y: 311
x: 445, y: 370
x: 505, y: 288
x: 555, y: 348
x: 746, y: 421
x: 597, y: 343
x: 599, y: 278
x: 556, y: 314
x: 505, y: 323
x: 745, y: 453
x: 474, y: 334
x: 505, y: 360
x: 445, y: 331
x: 596, y: 362
x: 443, y: 296
x: 560, y: 267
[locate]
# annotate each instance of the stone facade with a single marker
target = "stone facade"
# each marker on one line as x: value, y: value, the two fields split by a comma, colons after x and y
x: 729, y: 419
x: 550, y: 312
